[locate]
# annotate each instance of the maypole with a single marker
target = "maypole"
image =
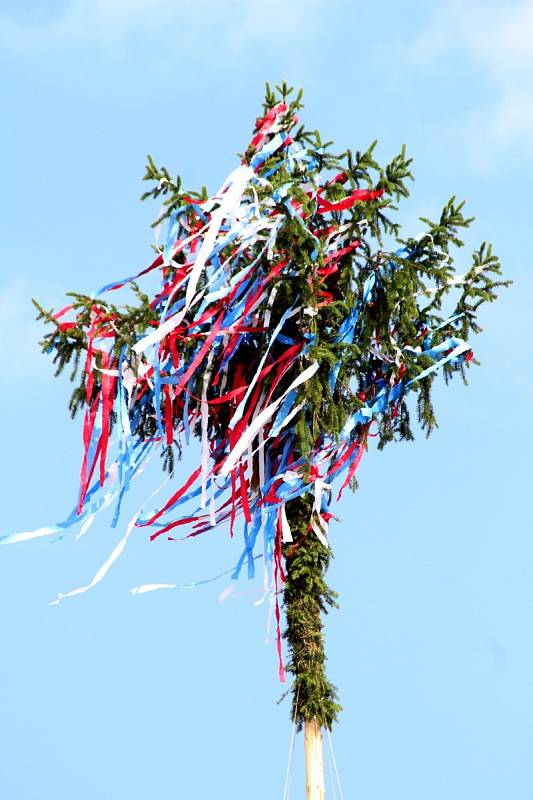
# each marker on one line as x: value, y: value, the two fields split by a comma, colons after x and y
x: 283, y: 335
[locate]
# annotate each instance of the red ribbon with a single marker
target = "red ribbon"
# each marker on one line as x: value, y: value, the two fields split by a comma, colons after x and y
x: 359, y: 196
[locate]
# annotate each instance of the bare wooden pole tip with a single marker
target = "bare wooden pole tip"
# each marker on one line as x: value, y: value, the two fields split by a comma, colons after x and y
x: 314, y: 762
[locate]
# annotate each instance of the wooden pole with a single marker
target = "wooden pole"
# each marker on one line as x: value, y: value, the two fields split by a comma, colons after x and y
x: 314, y: 763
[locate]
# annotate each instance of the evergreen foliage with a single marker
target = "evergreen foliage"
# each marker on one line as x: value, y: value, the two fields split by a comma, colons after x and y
x: 415, y: 282
x: 306, y: 597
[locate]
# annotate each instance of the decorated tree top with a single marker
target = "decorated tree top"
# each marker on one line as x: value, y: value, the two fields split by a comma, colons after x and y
x: 292, y: 321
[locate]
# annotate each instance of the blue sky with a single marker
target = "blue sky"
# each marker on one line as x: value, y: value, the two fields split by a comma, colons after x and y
x: 173, y: 694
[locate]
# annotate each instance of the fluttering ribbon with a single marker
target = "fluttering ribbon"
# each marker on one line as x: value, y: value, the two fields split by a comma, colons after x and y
x: 219, y: 358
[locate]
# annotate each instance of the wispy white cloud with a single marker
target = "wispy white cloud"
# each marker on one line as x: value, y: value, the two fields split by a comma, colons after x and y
x: 82, y: 21
x: 496, y: 39
x: 172, y: 23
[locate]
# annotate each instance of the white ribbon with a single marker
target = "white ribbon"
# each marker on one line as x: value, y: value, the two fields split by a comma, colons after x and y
x: 286, y: 535
x: 259, y: 422
x: 117, y: 550
x: 234, y: 187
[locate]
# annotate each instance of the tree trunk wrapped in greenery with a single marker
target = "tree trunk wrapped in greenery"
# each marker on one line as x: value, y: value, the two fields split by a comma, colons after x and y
x: 291, y: 321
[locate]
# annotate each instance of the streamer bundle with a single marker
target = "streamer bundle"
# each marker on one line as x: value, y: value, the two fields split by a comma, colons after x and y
x: 282, y: 330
